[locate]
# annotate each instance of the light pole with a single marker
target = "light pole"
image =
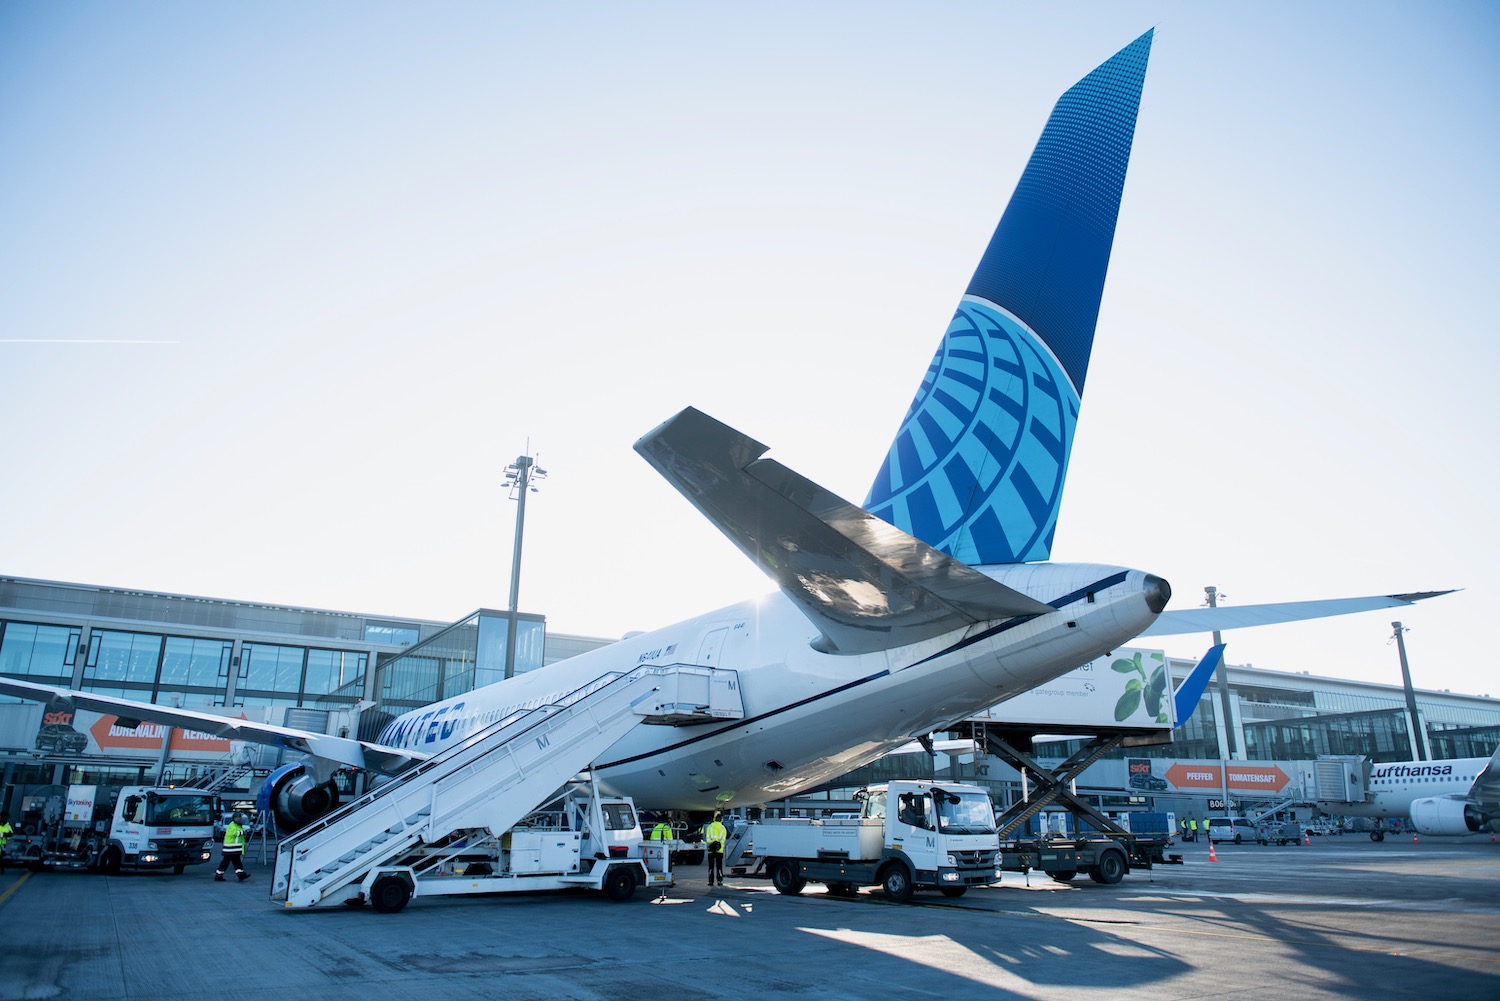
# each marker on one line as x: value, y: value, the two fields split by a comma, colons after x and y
x: 1413, y: 722
x: 1222, y: 675
x: 520, y: 477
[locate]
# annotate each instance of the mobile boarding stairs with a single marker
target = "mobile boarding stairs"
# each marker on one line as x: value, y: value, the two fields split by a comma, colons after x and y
x: 489, y: 782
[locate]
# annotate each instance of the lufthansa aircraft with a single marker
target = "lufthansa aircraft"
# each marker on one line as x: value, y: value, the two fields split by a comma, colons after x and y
x: 894, y: 619
x: 1458, y: 796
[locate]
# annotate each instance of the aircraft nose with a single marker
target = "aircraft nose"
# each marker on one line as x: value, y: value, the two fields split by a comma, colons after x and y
x: 1158, y: 593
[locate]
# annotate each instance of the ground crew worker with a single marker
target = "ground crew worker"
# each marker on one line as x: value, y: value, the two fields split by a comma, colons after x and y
x: 714, y: 836
x: 234, y: 847
x: 1194, y: 825
x: 5, y: 832
x: 662, y: 831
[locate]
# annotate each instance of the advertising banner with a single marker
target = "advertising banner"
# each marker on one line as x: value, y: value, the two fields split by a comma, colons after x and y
x: 1129, y: 688
x: 62, y: 730
x: 1165, y: 775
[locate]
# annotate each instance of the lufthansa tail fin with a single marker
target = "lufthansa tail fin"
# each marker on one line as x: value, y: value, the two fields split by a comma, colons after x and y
x: 1185, y: 699
x: 977, y: 467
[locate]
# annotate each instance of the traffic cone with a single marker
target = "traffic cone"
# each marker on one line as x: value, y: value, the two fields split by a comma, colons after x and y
x: 1211, y: 856
x: 1414, y: 838
x: 1305, y: 839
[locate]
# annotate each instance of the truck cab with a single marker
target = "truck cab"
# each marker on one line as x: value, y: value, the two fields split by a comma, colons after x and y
x: 131, y: 827
x: 908, y: 835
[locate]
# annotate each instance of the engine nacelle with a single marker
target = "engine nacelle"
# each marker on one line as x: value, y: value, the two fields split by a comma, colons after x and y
x: 295, y: 798
x: 1446, y: 815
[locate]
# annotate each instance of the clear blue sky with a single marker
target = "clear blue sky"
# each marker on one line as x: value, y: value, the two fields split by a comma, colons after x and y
x: 284, y: 286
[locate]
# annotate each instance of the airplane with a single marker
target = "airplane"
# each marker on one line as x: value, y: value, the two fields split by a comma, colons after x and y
x: 1456, y: 796
x: 892, y: 620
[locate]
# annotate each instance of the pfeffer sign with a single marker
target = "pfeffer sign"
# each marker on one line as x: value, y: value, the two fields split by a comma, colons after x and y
x: 1242, y: 777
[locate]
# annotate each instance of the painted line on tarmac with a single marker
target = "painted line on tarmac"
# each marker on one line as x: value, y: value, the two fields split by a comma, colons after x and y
x: 1298, y: 899
x: 1417, y: 951
x: 14, y: 887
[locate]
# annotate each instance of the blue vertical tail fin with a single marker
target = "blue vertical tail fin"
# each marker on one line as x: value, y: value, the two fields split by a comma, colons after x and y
x: 978, y: 465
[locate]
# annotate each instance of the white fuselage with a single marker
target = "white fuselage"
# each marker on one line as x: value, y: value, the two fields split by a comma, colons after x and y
x: 810, y: 716
x: 1394, y: 786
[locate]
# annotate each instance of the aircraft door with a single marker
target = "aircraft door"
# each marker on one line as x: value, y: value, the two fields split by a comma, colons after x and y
x: 712, y: 647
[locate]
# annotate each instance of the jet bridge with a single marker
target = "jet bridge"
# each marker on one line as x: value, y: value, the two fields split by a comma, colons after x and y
x: 493, y: 779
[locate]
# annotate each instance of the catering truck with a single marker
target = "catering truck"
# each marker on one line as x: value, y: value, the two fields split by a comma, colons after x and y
x: 908, y: 835
x: 109, y: 828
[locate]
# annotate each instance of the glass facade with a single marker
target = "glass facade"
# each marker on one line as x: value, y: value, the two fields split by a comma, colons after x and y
x: 468, y: 654
x: 39, y: 653
x: 195, y: 665
x: 1380, y: 734
x: 122, y: 659
x: 274, y: 674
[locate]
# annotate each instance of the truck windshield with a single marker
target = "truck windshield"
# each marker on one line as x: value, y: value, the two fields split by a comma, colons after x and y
x: 964, y: 812
x: 179, y: 811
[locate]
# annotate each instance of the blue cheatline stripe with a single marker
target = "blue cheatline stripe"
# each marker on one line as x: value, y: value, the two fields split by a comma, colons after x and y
x: 1058, y: 603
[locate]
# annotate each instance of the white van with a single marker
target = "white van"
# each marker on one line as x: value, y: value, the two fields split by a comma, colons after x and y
x: 1236, y: 829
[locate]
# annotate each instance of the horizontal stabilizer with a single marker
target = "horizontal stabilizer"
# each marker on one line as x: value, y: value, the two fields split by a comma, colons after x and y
x: 1207, y: 620
x: 865, y: 584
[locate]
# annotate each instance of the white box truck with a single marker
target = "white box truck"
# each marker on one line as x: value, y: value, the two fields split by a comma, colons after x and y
x: 909, y: 835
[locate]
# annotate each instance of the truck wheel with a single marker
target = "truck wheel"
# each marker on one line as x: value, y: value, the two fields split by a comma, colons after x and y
x: 897, y: 884
x: 1377, y: 835
x: 1063, y: 875
x: 786, y: 879
x: 1111, y: 868
x: 110, y: 861
x: 619, y: 884
x: 952, y: 891
x: 388, y: 894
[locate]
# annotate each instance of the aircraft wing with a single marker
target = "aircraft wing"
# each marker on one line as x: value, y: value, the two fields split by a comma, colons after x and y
x: 1206, y: 620
x: 1486, y: 788
x: 864, y: 583
x: 355, y: 753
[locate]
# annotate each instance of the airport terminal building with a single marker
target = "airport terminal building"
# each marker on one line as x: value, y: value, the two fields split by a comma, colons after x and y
x: 348, y: 673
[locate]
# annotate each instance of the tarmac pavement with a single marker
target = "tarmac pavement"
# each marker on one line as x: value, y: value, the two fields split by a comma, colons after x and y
x: 1343, y: 918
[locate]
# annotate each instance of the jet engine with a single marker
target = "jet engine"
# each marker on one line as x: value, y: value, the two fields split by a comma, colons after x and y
x: 295, y: 798
x: 1447, y: 815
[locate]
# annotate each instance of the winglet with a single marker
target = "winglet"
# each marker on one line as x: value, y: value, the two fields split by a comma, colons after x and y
x: 1185, y: 699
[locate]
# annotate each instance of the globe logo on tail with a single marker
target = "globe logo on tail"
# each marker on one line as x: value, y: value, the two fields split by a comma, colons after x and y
x: 978, y: 466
